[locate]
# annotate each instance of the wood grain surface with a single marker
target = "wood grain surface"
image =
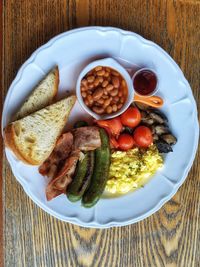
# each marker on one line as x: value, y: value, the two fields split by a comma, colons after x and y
x: 171, y: 237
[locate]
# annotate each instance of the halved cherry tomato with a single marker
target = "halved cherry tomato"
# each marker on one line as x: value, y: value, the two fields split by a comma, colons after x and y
x: 125, y: 141
x: 131, y: 117
x: 143, y: 136
x: 114, y: 125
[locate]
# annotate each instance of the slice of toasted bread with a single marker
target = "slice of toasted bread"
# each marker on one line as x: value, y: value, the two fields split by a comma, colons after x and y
x: 42, y: 95
x: 33, y: 137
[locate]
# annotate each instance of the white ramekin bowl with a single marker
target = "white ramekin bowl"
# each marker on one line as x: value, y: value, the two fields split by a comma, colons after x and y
x: 107, y: 62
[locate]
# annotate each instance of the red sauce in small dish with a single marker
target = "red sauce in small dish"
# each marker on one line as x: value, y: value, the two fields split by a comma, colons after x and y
x: 145, y: 82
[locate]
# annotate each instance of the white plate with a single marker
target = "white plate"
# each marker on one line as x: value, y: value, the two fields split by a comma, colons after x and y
x: 71, y: 51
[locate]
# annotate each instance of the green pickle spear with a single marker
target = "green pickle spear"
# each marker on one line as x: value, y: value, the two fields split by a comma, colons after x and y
x: 100, y: 173
x: 82, y: 177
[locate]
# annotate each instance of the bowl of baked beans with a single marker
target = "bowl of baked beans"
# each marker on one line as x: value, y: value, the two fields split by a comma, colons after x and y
x: 104, y: 89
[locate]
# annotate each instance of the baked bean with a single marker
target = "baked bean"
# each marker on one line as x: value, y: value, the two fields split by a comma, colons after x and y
x: 105, y: 96
x: 108, y: 79
x: 98, y: 104
x: 105, y: 92
x: 106, y: 102
x: 84, y: 82
x: 122, y: 100
x: 120, y: 94
x: 119, y: 106
x: 101, y: 79
x: 91, y: 86
x: 90, y: 79
x: 96, y: 82
x: 115, y: 82
x: 100, y: 73
x: 98, y: 68
x: 90, y: 99
x: 114, y: 107
x: 123, y: 83
x: 84, y: 94
x: 98, y: 94
x: 115, y: 73
x: 116, y: 98
x: 86, y: 102
x: 89, y: 73
x: 106, y: 74
x: 109, y: 87
x: 100, y: 101
x: 114, y: 102
x: 114, y: 92
x: 108, y: 70
x: 89, y: 92
x: 109, y: 109
x: 98, y: 110
x: 105, y: 83
x: 83, y: 89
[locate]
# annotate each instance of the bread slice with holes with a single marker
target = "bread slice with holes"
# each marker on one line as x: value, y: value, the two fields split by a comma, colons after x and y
x: 42, y: 95
x: 33, y: 137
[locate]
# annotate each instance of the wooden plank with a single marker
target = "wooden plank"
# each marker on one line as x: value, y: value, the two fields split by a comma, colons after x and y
x: 168, y: 238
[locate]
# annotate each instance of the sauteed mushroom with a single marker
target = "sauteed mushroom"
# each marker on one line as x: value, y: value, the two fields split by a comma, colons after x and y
x: 169, y: 139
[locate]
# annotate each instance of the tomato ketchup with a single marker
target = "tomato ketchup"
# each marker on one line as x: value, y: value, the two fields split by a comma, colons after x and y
x: 145, y: 82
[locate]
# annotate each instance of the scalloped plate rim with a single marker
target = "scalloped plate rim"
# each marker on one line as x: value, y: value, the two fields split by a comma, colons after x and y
x: 163, y: 200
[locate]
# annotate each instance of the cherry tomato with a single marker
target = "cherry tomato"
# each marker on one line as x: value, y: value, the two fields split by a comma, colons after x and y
x: 125, y: 141
x: 114, y: 125
x: 131, y: 117
x: 143, y: 136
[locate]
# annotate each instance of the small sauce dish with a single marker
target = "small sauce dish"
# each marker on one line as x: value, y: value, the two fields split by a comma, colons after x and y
x: 145, y: 82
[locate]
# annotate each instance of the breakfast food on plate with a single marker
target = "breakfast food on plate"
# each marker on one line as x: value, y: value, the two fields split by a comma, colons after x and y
x: 61, y: 164
x: 131, y: 169
x: 104, y: 90
x: 139, y: 127
x: 117, y: 155
x: 82, y: 177
x: 157, y: 122
x: 33, y: 137
x: 100, y: 173
x: 42, y: 95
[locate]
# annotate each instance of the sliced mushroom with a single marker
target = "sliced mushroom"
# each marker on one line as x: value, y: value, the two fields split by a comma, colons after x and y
x: 155, y: 137
x: 163, y: 147
x: 148, y: 121
x: 157, y: 118
x: 161, y: 129
x: 146, y: 118
x: 158, y: 112
x: 169, y: 139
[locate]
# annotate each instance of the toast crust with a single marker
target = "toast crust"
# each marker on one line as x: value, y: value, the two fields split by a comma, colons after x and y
x: 9, y: 142
x: 57, y: 80
x: 9, y: 139
x: 25, y: 110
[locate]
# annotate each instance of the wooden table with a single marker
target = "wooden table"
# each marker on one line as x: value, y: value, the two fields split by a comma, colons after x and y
x: 31, y: 237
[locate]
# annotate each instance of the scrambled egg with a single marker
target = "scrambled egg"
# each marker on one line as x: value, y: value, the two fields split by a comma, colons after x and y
x: 131, y: 169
